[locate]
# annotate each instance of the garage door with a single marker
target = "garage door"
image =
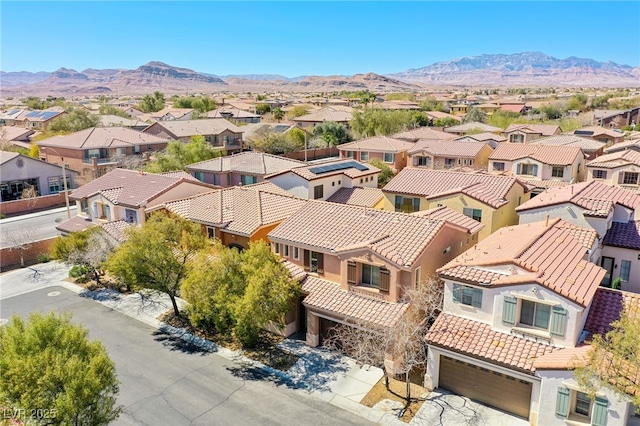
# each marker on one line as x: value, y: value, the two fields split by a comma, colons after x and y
x: 489, y: 387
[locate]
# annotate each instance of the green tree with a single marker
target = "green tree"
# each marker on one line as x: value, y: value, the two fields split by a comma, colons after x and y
x: 178, y: 155
x: 157, y: 255
x: 277, y: 143
x: 88, y: 249
x: 600, y: 102
x: 378, y: 122
x: 152, y: 103
x: 332, y: 133
x: 263, y: 109
x: 34, y: 151
x: 34, y: 102
x: 50, y: 363
x: 106, y: 109
x: 278, y: 114
x: 551, y: 111
x: 614, y: 359
x: 201, y: 104
x: 474, y: 115
x: 445, y: 122
x: 578, y: 102
x: 74, y: 121
x: 367, y: 97
x: 240, y: 292
x: 298, y: 111
x: 431, y: 104
x: 386, y: 173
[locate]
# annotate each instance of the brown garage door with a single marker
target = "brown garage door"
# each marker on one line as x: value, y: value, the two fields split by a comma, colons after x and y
x: 489, y: 387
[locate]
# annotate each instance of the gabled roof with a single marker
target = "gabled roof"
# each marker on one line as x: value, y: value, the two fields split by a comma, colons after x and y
x: 447, y: 149
x: 116, y: 120
x: 249, y: 162
x: 328, y: 296
x: 44, y: 115
x: 633, y: 144
x: 548, y: 253
x: 602, y: 114
x: 102, y: 137
x: 331, y: 227
x: 594, y: 196
x: 466, y: 127
x: 129, y: 187
x: 188, y: 128
x: 377, y: 144
x: 482, y: 137
x: 487, y: 188
x: 357, y: 196
x: 451, y: 216
x: 606, y: 307
x: 624, y: 235
x: 9, y: 133
x: 616, y: 159
x: 440, y: 114
x: 478, y: 340
x: 311, y: 172
x: 7, y: 156
x: 513, y: 108
x: 177, y: 113
x: 587, y: 145
x: 116, y: 229
x: 240, y: 210
x: 12, y: 113
x: 542, y: 129
x: 552, y: 155
x: 594, y: 131
x: 423, y: 133
x: 231, y: 113
x: 325, y: 114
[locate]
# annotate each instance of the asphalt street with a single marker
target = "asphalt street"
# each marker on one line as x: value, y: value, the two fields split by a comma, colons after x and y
x: 35, y: 226
x: 165, y: 381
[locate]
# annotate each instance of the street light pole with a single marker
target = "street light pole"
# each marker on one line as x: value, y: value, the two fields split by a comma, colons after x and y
x: 64, y: 185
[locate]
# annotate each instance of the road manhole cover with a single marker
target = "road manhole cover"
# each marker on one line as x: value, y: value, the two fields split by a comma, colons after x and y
x: 3, y: 321
x: 58, y: 220
x: 53, y: 294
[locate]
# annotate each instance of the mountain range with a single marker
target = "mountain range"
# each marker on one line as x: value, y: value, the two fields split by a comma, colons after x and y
x: 520, y: 69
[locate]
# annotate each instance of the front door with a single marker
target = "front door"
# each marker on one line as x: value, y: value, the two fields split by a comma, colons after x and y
x: 607, y: 263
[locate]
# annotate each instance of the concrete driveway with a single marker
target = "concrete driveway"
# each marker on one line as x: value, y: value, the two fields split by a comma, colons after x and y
x: 166, y: 381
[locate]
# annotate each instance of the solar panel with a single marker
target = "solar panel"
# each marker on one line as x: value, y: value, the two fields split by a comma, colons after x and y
x: 583, y: 132
x: 340, y: 166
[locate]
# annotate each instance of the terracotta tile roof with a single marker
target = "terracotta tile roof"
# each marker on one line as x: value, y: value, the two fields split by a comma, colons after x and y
x: 439, y: 114
x: 447, y: 149
x: 377, y: 144
x: 330, y: 227
x: 553, y: 155
x: 477, y: 340
x: 551, y: 255
x: 466, y: 127
x: 545, y: 184
x: 482, y: 137
x: 296, y: 272
x: 240, y: 210
x: 328, y: 296
x: 423, y: 133
x: 631, y: 144
x: 598, y: 131
x: 606, y: 308
x: 451, y: 216
x: 102, y: 137
x: 180, y: 175
x: 205, y: 126
x: 129, y: 187
x: 625, y: 235
x: 76, y: 223
x: 10, y: 133
x: 305, y: 171
x: 562, y: 359
x: 357, y: 196
x: 231, y: 112
x: 490, y: 189
x: 325, y: 114
x: 542, y: 129
x: 117, y: 229
x: 616, y: 159
x: 593, y: 196
x: 512, y: 108
x: 177, y: 113
x: 586, y: 144
x: 250, y: 162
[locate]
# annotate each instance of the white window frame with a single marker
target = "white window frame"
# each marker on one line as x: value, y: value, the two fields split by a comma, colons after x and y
x: 384, y: 157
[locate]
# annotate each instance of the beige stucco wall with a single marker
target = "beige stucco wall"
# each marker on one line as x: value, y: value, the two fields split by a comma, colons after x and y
x: 631, y: 255
x: 614, y: 174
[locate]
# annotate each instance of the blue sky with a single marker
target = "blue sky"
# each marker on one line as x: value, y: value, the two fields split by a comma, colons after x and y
x: 307, y: 38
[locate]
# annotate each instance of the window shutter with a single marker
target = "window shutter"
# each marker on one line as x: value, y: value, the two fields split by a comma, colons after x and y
x: 519, y: 169
x: 385, y: 278
x: 599, y: 417
x: 416, y: 204
x: 558, y: 321
x: 562, y: 402
x: 509, y: 308
x: 457, y: 293
x: 307, y: 261
x: 535, y: 170
x: 415, y: 160
x: 95, y: 210
x: 476, y: 298
x: 593, y: 174
x: 398, y: 203
x: 321, y: 263
x: 351, y: 272
x: 620, y: 178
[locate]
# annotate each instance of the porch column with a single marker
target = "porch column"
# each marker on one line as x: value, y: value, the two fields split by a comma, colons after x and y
x: 313, y: 329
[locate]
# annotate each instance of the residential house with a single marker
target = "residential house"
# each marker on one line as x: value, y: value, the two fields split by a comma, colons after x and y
x: 609, y: 210
x: 20, y: 172
x: 13, y: 117
x: 245, y: 168
x: 458, y: 109
x: 487, y: 108
x: 218, y: 132
x: 127, y: 195
x: 16, y: 136
x: 535, y: 163
x: 518, y: 108
x: 439, y: 155
x: 615, y: 119
x: 391, y: 151
x: 96, y: 150
x: 487, y: 198
x: 472, y: 127
x: 240, y: 215
x: 418, y: 133
x: 514, y: 305
x: 320, y: 181
x: 359, y: 261
x: 439, y: 115
x: 117, y: 121
x: 359, y: 196
x: 41, y: 120
x: 621, y: 168
x: 234, y: 115
x: 255, y: 131
x: 525, y: 133
x: 630, y: 144
x: 601, y: 134
x: 171, y: 114
x: 325, y: 114
x: 489, y: 138
x: 590, y: 148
